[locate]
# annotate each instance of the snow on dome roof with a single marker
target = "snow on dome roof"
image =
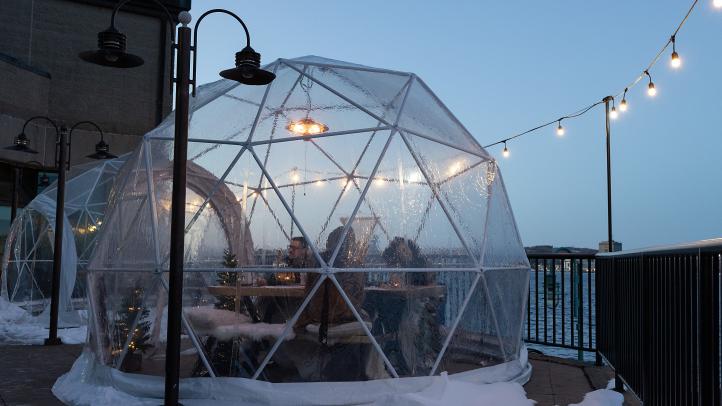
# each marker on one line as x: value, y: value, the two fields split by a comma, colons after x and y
x: 341, y: 224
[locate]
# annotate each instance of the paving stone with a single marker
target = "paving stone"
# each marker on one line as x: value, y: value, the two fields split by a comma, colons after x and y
x: 27, y: 374
x: 558, y: 381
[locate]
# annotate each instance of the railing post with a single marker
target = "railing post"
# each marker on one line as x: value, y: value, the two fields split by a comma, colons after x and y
x: 580, y: 311
x: 708, y: 347
x: 597, y: 313
x: 618, y: 383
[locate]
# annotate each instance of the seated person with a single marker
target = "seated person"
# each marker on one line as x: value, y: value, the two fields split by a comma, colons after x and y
x: 279, y: 309
x: 316, y: 355
x: 415, y: 327
x: 300, y: 255
x: 327, y: 307
x: 404, y: 253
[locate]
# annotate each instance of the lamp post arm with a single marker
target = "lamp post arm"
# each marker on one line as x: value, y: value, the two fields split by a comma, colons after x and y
x: 157, y: 2
x: 70, y: 136
x: 195, y: 38
x: 78, y: 124
x: 55, y: 126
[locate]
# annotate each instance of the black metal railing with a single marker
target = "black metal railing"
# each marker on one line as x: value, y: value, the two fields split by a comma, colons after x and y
x: 659, y: 320
x: 560, y: 311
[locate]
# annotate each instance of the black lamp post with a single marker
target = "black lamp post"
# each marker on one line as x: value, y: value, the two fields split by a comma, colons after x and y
x: 610, y: 241
x: 111, y: 52
x: 21, y: 145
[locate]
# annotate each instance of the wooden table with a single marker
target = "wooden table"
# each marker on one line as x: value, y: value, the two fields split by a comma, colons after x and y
x: 408, y: 291
x: 262, y: 291
x: 299, y: 291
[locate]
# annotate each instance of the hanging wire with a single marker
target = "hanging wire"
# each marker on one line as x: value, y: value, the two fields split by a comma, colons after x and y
x: 633, y: 83
x: 556, y: 120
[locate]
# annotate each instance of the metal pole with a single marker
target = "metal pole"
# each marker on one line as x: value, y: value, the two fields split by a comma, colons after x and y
x: 16, y: 193
x: 618, y: 384
x: 607, y: 100
x: 53, y: 338
x: 178, y: 207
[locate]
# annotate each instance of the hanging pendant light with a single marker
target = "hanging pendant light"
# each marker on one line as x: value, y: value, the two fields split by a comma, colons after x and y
x: 248, y: 69
x: 111, y: 50
x: 102, y: 151
x: 21, y: 145
x: 306, y: 126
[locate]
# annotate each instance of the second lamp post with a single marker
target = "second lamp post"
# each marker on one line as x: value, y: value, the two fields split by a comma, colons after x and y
x: 63, y: 135
x: 112, y: 52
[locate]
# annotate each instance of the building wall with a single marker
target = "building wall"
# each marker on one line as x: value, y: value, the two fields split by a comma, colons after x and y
x: 41, y: 74
x: 45, y: 37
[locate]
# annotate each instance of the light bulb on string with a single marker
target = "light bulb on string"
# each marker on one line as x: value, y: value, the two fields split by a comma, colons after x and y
x: 651, y: 89
x: 623, y: 103
x: 675, y: 62
x: 505, y: 152
x: 295, y: 176
x: 717, y: 3
x: 613, y: 114
x: 560, y: 129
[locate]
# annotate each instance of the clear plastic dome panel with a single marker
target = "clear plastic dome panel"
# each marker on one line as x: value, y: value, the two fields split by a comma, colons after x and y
x: 502, y: 247
x: 341, y: 225
x: 476, y: 341
x: 28, y: 262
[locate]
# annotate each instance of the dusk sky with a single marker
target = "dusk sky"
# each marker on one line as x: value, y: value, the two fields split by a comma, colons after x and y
x: 504, y: 67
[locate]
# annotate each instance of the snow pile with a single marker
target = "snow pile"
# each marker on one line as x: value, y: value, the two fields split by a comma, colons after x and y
x: 89, y: 383
x: 449, y: 392
x: 18, y: 327
x: 602, y: 397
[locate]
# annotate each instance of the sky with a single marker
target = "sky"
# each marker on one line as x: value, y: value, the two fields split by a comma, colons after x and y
x: 505, y: 67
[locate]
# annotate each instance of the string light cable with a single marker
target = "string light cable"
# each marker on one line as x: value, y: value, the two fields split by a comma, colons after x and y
x: 675, y: 62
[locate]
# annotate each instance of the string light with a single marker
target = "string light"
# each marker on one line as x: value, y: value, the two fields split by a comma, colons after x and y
x: 414, y: 177
x: 623, y: 106
x: 623, y: 103
x: 295, y: 177
x: 560, y: 129
x: 613, y: 113
x: 651, y: 90
x: 717, y: 3
x: 675, y: 62
x: 454, y: 168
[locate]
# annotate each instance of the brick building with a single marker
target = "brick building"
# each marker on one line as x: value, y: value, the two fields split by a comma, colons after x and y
x: 41, y: 74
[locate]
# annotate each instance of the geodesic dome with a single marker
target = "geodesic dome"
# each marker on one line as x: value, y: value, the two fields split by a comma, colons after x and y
x: 406, y: 260
x: 27, y: 265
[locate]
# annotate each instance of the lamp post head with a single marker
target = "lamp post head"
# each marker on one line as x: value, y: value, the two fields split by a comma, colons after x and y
x: 111, y: 51
x: 21, y: 145
x: 102, y: 151
x: 248, y: 69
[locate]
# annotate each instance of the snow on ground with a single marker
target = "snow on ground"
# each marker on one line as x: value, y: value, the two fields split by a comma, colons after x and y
x: 459, y: 393
x: 448, y: 393
x: 454, y: 393
x: 602, y: 397
x: 19, y: 327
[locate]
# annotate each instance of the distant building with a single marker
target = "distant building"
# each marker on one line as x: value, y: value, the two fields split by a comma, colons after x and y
x: 41, y: 74
x: 550, y: 249
x: 604, y: 246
